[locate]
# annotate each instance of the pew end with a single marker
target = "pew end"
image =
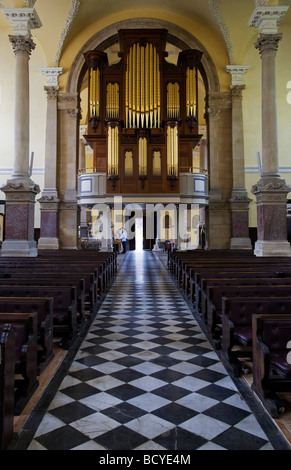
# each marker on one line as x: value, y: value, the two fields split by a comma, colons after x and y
x: 7, y: 372
x: 271, y: 367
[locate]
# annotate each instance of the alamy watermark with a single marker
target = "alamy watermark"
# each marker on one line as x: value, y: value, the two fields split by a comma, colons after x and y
x: 162, y: 221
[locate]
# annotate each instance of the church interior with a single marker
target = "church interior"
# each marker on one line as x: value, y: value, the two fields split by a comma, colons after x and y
x: 145, y: 258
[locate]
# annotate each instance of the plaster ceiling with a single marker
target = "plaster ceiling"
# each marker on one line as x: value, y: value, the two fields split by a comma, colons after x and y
x: 66, y: 20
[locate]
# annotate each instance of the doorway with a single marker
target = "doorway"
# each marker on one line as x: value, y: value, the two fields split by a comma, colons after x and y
x: 139, y: 234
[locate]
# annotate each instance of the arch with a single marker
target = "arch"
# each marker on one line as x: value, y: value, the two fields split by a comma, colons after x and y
x: 108, y: 36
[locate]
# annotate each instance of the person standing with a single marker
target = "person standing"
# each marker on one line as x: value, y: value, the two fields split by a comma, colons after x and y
x: 123, y: 238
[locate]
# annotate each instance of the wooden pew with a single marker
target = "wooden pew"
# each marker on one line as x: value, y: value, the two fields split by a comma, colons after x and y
x: 226, y: 272
x: 52, y: 281
x: 240, y: 281
x: 64, y: 306
x: 271, y: 363
x: 93, y: 280
x: 43, y: 307
x: 7, y: 372
x: 237, y: 313
x: 215, y: 295
x: 24, y: 326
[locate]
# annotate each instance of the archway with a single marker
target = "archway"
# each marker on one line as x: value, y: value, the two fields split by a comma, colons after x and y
x: 177, y: 37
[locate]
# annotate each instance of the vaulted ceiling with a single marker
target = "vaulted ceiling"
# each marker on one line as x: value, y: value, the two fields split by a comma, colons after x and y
x: 66, y: 20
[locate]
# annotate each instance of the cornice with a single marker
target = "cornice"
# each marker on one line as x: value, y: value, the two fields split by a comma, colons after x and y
x: 52, y: 74
x: 22, y: 20
x: 236, y: 72
x: 267, y: 18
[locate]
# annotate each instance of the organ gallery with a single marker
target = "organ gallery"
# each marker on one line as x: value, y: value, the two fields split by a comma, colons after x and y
x: 143, y: 123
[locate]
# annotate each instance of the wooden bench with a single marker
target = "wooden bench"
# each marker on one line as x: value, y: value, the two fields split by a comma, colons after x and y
x: 24, y: 326
x: 64, y: 306
x: 53, y: 281
x: 43, y: 307
x: 241, y: 272
x: 237, y: 313
x: 7, y: 372
x: 271, y: 363
x: 215, y: 295
x: 238, y: 281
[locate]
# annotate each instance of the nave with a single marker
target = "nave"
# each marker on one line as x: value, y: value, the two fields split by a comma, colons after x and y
x: 146, y: 378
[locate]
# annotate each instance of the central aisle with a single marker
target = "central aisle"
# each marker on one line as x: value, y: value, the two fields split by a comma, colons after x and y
x: 146, y: 378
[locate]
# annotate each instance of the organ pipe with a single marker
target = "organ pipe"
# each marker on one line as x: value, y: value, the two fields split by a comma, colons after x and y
x: 113, y: 150
x: 112, y: 106
x: 95, y: 93
x: 172, y: 150
x: 191, y: 92
x: 142, y: 147
x: 142, y: 101
x: 173, y: 100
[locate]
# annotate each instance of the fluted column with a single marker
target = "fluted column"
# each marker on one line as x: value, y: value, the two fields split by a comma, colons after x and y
x: 271, y: 190
x: 20, y: 190
x: 49, y: 201
x: 239, y: 202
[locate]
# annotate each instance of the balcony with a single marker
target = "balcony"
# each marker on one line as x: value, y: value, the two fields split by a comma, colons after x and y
x: 193, y: 189
x: 194, y: 186
x: 91, y: 188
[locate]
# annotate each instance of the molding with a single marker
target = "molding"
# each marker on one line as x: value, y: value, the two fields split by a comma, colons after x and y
x: 68, y: 23
x: 236, y: 72
x: 22, y: 20
x: 52, y: 74
x: 267, y: 18
x: 218, y: 18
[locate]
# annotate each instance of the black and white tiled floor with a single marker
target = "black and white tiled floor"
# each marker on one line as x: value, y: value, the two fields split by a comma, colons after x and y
x: 146, y: 378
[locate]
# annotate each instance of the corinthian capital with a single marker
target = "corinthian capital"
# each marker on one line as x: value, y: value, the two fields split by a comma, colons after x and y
x: 22, y: 44
x: 268, y: 43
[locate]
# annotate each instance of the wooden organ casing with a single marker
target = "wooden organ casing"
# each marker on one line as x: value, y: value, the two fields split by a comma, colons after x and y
x: 143, y: 113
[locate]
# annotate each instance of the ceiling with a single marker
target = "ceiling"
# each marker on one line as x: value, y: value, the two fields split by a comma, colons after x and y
x: 67, y: 21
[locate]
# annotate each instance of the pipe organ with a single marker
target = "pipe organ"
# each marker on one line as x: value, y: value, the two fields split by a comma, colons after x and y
x: 143, y: 106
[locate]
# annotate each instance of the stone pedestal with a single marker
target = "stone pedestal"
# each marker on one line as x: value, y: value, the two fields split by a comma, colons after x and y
x: 19, y: 218
x: 271, y: 195
x: 239, y: 205
x: 49, y: 204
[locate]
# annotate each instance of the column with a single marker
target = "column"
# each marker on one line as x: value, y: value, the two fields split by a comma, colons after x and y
x: 271, y: 190
x: 239, y: 202
x: 49, y: 201
x: 20, y: 190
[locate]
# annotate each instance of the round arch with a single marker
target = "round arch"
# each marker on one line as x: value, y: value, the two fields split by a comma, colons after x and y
x: 108, y: 36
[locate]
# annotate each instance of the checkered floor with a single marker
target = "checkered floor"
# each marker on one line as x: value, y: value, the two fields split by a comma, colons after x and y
x: 146, y: 377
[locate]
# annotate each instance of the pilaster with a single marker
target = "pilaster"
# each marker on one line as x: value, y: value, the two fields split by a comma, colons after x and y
x: 68, y: 129
x: 49, y: 202
x: 239, y: 202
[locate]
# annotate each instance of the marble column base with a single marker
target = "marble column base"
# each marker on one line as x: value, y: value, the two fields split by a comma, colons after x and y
x: 19, y: 248
x: 49, y: 243
x: 19, y: 217
x: 240, y: 243
x: 272, y: 248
